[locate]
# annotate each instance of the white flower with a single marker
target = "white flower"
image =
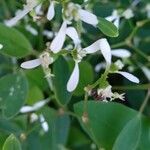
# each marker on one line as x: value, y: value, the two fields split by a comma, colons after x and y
x: 118, y: 96
x: 115, y: 18
x: 148, y: 10
x: 105, y: 92
x: 100, y: 66
x: 51, y: 11
x: 74, y: 11
x: 48, y: 34
x: 33, y: 117
x: 129, y: 76
x: 31, y: 30
x: 30, y: 4
x: 103, y: 46
x: 128, y: 13
x: 122, y: 53
x: 59, y: 40
x: 146, y: 71
x: 45, y: 60
x: 1, y: 46
x: 38, y: 10
x: 119, y: 64
x: 44, y: 124
x: 35, y: 107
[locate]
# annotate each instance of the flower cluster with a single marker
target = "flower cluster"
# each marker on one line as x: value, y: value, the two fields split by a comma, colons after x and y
x: 74, y: 12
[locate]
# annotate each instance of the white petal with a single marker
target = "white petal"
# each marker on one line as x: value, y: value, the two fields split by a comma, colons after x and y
x: 88, y: 17
x: 100, y: 66
x: 51, y: 11
x: 72, y: 33
x: 59, y: 40
x: 31, y: 64
x: 117, y: 22
x: 31, y: 30
x: 40, y: 104
x: 26, y: 109
x: 129, y: 76
x: 19, y: 16
x: 92, y: 48
x: 146, y: 71
x: 121, y: 53
x: 38, y: 10
x: 74, y: 78
x: 105, y: 50
x: 1, y: 46
x: 44, y: 124
x: 110, y: 18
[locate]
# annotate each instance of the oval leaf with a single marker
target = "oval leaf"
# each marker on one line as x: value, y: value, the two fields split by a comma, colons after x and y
x: 61, y: 72
x: 12, y: 143
x: 13, y: 93
x: 129, y: 137
x: 106, y: 120
x: 14, y: 43
x: 108, y: 28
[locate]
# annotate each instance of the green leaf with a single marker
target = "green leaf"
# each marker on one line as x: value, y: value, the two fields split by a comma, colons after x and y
x: 61, y: 72
x: 108, y: 28
x: 129, y: 137
x: 33, y: 98
x: 12, y: 143
x: 13, y: 93
x: 38, y: 79
x: 14, y: 43
x: 106, y: 120
x: 59, y: 125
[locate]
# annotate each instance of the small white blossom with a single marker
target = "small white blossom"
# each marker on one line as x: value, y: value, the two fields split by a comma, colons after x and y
x: 1, y: 46
x: 105, y: 92
x: 44, y: 124
x: 119, y: 64
x: 33, y: 117
x: 31, y: 30
x: 48, y: 34
x: 148, y: 10
x: 146, y: 71
x: 128, y: 13
x: 118, y: 96
x: 102, y: 45
x: 115, y: 18
x: 100, y: 66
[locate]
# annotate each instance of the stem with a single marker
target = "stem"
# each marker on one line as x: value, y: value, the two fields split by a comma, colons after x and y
x: 139, y: 52
x: 136, y: 87
x: 118, y: 45
x: 85, y: 102
x: 145, y: 102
